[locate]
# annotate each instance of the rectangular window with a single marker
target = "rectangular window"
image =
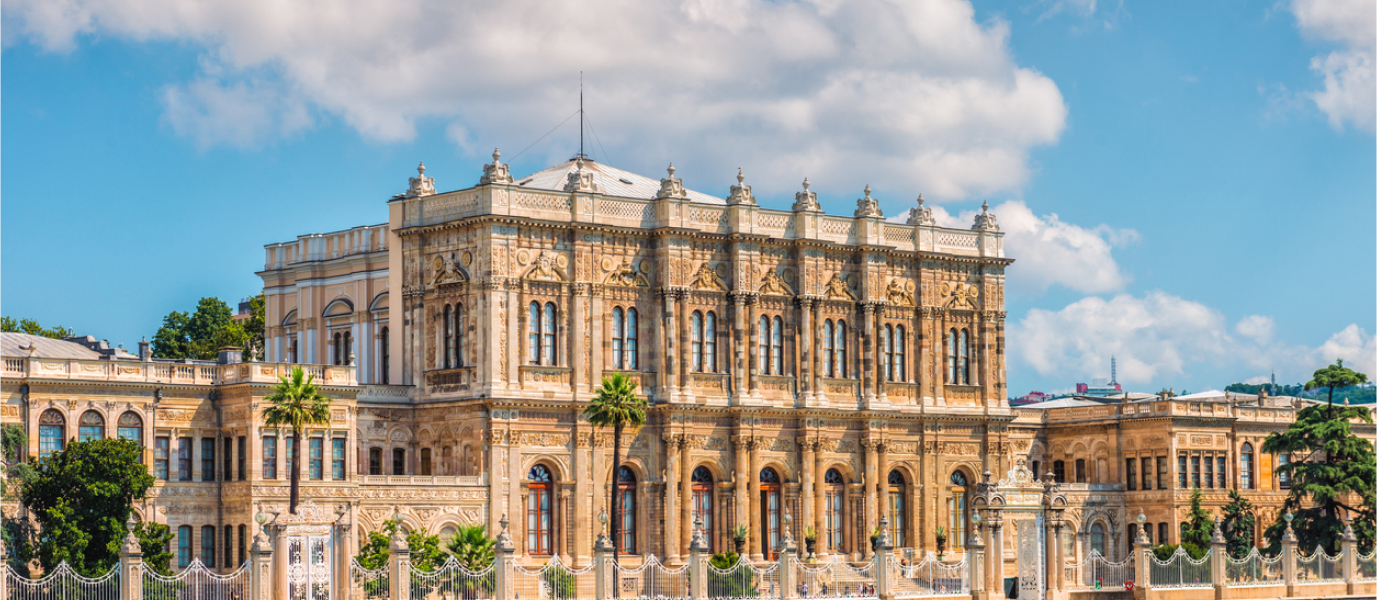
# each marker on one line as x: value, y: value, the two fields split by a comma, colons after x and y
x: 1181, y: 471
x: 375, y: 461
x: 1209, y: 472
x: 207, y: 459
x: 1195, y: 471
x: 1147, y: 473
x: 269, y: 457
x: 161, y: 450
x: 1161, y: 533
x: 243, y: 543
x: 1219, y: 473
x: 243, y: 459
x: 228, y: 472
x: 290, y: 448
x: 1283, y: 477
x: 208, y: 544
x: 337, y: 459
x: 317, y: 464
x: 184, y: 461
x: 1162, y: 479
x: 398, y: 461
x: 229, y: 545
x: 184, y: 543
x: 1131, y: 470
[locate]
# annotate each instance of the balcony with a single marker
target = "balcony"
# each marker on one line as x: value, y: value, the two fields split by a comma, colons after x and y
x: 425, y: 480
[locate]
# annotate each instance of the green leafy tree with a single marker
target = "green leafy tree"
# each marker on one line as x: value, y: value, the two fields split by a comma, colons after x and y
x: 472, y: 547
x: 375, y: 549
x: 1333, y: 377
x: 81, y: 498
x: 1238, y: 524
x: 426, y: 552
x: 731, y: 586
x: 254, y: 327
x: 1333, y: 477
x: 155, y: 540
x: 296, y: 403
x: 201, y: 334
x: 171, y: 341
x: 31, y: 327
x: 616, y: 405
x: 1195, y: 535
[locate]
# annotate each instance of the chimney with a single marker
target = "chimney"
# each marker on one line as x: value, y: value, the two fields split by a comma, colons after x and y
x: 145, y: 354
x: 229, y: 355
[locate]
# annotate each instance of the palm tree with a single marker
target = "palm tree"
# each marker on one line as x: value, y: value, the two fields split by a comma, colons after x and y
x: 296, y: 403
x: 617, y: 406
x: 472, y: 547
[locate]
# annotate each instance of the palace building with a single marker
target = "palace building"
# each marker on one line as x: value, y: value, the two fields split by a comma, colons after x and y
x: 801, y: 369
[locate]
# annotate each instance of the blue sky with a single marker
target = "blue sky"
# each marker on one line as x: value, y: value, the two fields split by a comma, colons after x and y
x: 1187, y: 186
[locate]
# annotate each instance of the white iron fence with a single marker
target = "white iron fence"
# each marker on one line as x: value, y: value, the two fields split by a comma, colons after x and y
x: 1255, y: 569
x: 1099, y: 573
x: 368, y: 584
x: 1181, y: 571
x: 1367, y: 566
x: 555, y: 581
x: 1319, y: 567
x: 196, y: 582
x: 932, y: 577
x: 744, y: 580
x: 652, y: 581
x: 836, y: 580
x: 453, y: 581
x: 64, y: 583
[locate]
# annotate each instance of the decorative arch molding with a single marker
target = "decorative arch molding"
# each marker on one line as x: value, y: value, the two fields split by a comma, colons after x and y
x: 847, y: 471
x: 558, y: 467
x: 786, y: 474
x: 290, y: 319
x: 719, y: 474
x: 379, y: 303
x: 339, y: 307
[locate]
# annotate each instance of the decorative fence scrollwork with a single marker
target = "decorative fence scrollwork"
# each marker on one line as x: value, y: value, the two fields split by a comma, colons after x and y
x: 1181, y: 571
x: 1319, y: 567
x: 932, y: 577
x: 1367, y: 566
x: 1099, y: 573
x: 453, y: 581
x: 368, y: 584
x: 64, y: 583
x: 1255, y: 569
x: 555, y: 581
x: 652, y: 581
x: 743, y: 580
x: 196, y: 582
x: 836, y: 580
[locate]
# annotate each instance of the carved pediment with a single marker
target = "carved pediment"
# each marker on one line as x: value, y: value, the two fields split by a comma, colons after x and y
x: 836, y: 288
x: 446, y: 269
x: 707, y: 279
x: 772, y: 283
x: 626, y: 275
x: 899, y: 293
x: 547, y: 267
x: 959, y: 295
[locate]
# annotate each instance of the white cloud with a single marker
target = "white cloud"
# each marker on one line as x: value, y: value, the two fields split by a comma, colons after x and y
x: 841, y: 90
x: 1160, y: 336
x: 1350, y: 82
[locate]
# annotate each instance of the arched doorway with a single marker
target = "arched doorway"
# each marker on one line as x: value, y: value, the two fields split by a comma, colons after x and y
x: 540, y: 512
x: 770, y: 513
x: 702, y: 504
x: 898, y: 510
x: 834, y: 501
x: 959, y: 510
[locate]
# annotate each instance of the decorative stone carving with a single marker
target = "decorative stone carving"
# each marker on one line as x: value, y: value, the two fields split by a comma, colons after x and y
x: 985, y: 220
x: 867, y: 206
x: 836, y: 288
x: 626, y: 275
x: 708, y: 279
x: 445, y: 269
x: 921, y: 215
x: 741, y: 193
x: 806, y: 201
x: 545, y: 268
x: 959, y: 295
x: 772, y: 283
x: 581, y: 180
x: 899, y: 293
x: 420, y: 185
x: 495, y: 172
x: 671, y: 186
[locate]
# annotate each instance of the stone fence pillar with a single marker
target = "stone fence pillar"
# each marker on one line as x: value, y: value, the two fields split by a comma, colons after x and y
x: 131, y: 565
x: 1219, y: 560
x: 788, y: 576
x: 602, y: 568
x: 1288, y: 557
x: 1350, y: 559
x: 503, y: 569
x: 399, y: 568
x: 698, y: 566
x: 975, y: 557
x: 1142, y: 580
x: 884, y: 563
x: 261, y: 568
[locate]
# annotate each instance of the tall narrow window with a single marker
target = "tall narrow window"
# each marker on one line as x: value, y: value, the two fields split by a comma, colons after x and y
x: 1059, y: 471
x: 1131, y: 473
x: 1283, y: 475
x: 425, y: 462
x: 1080, y: 470
x: 951, y: 357
x: 840, y: 366
x: 317, y: 458
x: 289, y: 453
x: 777, y: 347
x: 1245, y: 467
x: 533, y: 334
x: 207, y: 459
x: 702, y: 502
x: 770, y: 511
x: 398, y: 461
x: 227, y: 460
x: 898, y: 508
x: 617, y: 318
x: 229, y: 547
x: 243, y: 458
x: 269, y: 457
x: 1195, y: 471
x: 52, y: 432
x: 344, y: 356
x: 1209, y: 472
x: 1161, y: 533
x: 293, y: 351
x: 539, y: 512
x: 1097, y: 539
x: 763, y: 335
x: 1219, y: 472
x: 130, y: 427
x: 208, y: 546
x: 458, y: 335
x: 900, y: 371
x: 626, y: 507
x: 887, y: 353
x: 91, y: 427
x: 243, y: 543
x: 958, y: 518
x: 447, y: 337
x: 710, y: 342
x: 337, y: 459
x: 161, y: 454
x: 1163, y: 479
x: 184, y: 546
x: 965, y: 366
x: 1147, y: 473
x: 383, y: 342
x: 834, y: 501
x: 375, y: 461
x: 547, y: 334
x: 633, y: 357
x: 1181, y: 471
x: 696, y: 341
x: 828, y: 366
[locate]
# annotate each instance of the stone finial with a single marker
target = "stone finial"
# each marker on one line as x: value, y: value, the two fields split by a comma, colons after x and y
x: 867, y: 206
x: 504, y: 538
x: 131, y: 545
x: 580, y: 179
x: 741, y: 193
x: 495, y: 172
x: 699, y: 541
x: 884, y: 540
x: 985, y: 220
x: 671, y: 186
x: 921, y: 215
x: 1218, y: 536
x: 806, y: 201
x: 420, y: 185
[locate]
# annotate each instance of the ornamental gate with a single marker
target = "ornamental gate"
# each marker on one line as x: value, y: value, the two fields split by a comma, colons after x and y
x: 309, y: 572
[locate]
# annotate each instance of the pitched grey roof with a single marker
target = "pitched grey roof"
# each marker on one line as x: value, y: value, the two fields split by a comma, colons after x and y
x: 15, y: 345
x: 612, y: 181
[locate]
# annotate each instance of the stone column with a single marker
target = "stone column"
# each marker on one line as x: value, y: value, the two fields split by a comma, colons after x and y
x: 1219, y: 557
x: 866, y: 329
x: 671, y: 332
x: 810, y: 476
x: 882, y: 481
x: 503, y: 569
x: 261, y: 574
x: 698, y: 571
x: 685, y: 360
x: 602, y: 568
x: 685, y: 494
x: 1053, y: 572
x: 753, y: 347
x: 871, y: 520
x: 279, y: 558
x: 671, y: 515
x: 975, y: 551
x: 742, y: 475
x: 577, y: 358
x: 818, y: 367
x: 820, y: 495
x: 884, y: 559
x: 739, y: 347
x: 996, y: 566
x: 806, y: 338
x: 757, y: 533
x: 1143, y: 581
x: 788, y: 575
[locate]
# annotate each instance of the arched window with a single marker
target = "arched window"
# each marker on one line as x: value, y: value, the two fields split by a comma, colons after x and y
x: 375, y: 461
x: 632, y: 352
x: 626, y: 508
x: 898, y: 509
x: 385, y: 356
x: 763, y: 335
x: 965, y: 366
x: 834, y: 500
x: 770, y: 502
x: 958, y: 508
x: 1245, y: 467
x: 887, y: 347
x: 348, y: 349
x: 457, y: 324
x: 130, y: 427
x: 426, y: 462
x: 398, y: 461
x: 52, y: 432
x: 208, y: 546
x: 1037, y: 473
x: 447, y: 335
x: 541, y: 336
x: 828, y: 354
x: 540, y: 512
x: 1059, y: 471
x: 1097, y: 539
x: 710, y: 342
x: 184, y: 546
x: 696, y: 341
x: 334, y: 348
x: 899, y: 341
x: 702, y: 502
x: 91, y: 427
x: 777, y: 347
x: 1080, y: 470
x: 951, y: 357
x: 618, y: 318
x: 533, y: 334
x: 839, y: 368
x: 294, y: 355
